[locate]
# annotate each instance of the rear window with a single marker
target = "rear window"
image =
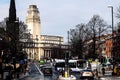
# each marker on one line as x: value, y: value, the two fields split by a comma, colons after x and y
x: 87, y: 70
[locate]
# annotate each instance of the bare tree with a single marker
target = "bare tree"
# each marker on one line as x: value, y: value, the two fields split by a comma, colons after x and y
x: 97, y: 27
x: 3, y: 24
x: 118, y: 13
x: 118, y: 17
x: 22, y: 27
x: 78, y: 37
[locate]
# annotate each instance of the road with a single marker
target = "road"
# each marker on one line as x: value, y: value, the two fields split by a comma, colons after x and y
x: 110, y: 78
x: 36, y: 74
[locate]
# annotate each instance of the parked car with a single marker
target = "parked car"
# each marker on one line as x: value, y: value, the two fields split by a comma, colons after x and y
x: 87, y: 74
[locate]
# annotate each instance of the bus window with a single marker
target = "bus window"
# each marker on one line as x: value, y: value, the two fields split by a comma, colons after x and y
x: 59, y: 66
x: 72, y: 65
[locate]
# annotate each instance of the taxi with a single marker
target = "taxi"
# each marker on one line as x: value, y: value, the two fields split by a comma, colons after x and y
x: 87, y: 74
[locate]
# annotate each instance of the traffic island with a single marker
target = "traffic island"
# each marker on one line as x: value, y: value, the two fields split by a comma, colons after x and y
x: 71, y: 77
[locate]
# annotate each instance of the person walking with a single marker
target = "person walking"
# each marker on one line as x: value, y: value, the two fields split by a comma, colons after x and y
x: 103, y: 71
x: 115, y: 70
x: 96, y: 71
x: 28, y: 70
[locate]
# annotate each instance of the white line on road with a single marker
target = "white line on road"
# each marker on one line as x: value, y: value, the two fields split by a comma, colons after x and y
x: 38, y: 69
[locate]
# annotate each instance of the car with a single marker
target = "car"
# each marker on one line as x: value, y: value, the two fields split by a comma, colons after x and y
x: 87, y: 74
x: 47, y: 70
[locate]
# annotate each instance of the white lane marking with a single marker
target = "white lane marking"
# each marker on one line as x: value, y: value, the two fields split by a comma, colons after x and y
x: 39, y: 69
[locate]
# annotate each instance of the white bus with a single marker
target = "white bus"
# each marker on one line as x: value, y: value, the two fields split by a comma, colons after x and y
x: 74, y: 65
x: 59, y: 64
x: 77, y: 65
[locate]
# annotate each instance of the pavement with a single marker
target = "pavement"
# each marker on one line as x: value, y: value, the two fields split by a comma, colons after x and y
x: 22, y: 75
x: 110, y: 78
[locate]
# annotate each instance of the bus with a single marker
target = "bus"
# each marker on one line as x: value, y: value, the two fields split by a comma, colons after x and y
x: 77, y: 65
x: 59, y: 64
x: 81, y: 63
x: 74, y: 65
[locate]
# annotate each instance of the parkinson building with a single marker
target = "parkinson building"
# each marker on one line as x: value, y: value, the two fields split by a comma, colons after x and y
x: 41, y: 45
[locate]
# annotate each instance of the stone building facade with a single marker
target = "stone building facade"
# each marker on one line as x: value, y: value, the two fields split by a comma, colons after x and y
x: 41, y: 45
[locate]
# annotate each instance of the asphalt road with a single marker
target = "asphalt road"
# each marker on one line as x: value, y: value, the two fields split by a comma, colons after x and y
x: 35, y: 74
x: 110, y: 78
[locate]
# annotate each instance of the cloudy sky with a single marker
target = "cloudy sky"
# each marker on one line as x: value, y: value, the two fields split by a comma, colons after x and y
x: 59, y: 16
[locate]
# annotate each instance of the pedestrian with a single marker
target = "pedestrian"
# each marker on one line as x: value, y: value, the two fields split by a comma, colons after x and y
x: 96, y: 72
x: 62, y: 72
x: 18, y: 71
x: 22, y: 65
x: 89, y: 66
x: 28, y: 70
x: 103, y: 71
x: 25, y: 67
x: 115, y: 70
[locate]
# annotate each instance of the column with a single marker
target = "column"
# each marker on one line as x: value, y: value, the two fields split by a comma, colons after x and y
x: 44, y: 54
x: 50, y: 53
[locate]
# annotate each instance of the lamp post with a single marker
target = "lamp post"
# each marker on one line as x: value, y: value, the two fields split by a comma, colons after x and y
x: 112, y: 17
x: 112, y: 25
x: 112, y: 33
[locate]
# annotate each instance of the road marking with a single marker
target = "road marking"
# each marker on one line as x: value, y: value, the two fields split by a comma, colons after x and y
x: 38, y: 69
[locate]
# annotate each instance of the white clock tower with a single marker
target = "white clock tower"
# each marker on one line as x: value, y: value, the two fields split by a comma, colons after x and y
x: 33, y: 21
x: 33, y: 26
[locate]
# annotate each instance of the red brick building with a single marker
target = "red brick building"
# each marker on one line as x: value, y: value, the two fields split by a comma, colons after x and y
x: 109, y: 45
x: 116, y: 46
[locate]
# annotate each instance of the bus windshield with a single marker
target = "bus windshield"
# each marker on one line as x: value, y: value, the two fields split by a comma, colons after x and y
x: 60, y: 64
x: 72, y: 65
x: 81, y: 63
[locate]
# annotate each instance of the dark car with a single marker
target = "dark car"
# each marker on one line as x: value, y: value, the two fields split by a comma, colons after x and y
x: 47, y: 71
x: 87, y: 74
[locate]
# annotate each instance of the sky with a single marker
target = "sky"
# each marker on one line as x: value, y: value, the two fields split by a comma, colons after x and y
x: 59, y: 16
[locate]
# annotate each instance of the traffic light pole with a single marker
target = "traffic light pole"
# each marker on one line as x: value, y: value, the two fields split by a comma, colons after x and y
x: 67, y: 60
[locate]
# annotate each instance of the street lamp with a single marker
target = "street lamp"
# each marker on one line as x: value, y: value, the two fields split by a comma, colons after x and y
x: 112, y: 17
x: 112, y: 26
x: 112, y: 33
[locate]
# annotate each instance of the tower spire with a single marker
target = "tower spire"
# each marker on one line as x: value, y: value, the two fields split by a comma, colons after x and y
x: 12, y: 11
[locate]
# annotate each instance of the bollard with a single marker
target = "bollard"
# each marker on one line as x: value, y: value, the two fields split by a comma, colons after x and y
x: 66, y: 74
